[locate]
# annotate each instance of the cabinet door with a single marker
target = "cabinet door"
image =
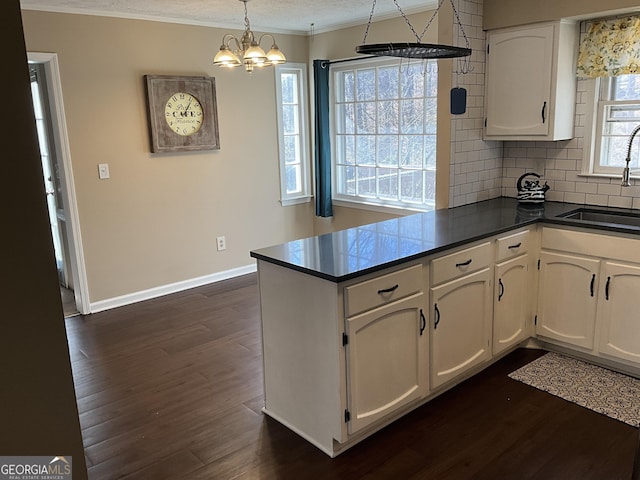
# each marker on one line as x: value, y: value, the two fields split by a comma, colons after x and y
x: 511, y: 305
x: 567, y: 298
x: 618, y: 315
x: 519, y: 81
x: 386, y: 360
x: 460, y: 326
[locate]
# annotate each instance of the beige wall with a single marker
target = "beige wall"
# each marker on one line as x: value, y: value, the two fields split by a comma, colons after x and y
x: 38, y: 410
x: 507, y: 13
x: 154, y: 222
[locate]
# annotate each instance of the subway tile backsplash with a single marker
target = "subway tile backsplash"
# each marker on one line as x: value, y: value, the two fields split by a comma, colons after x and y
x: 481, y: 170
x: 476, y: 165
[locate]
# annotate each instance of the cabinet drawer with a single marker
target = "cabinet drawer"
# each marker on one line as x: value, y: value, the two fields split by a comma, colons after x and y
x: 381, y: 290
x: 513, y: 245
x: 592, y: 244
x: 460, y: 263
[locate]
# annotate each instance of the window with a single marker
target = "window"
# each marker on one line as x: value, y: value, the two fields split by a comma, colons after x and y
x: 291, y: 86
x: 384, y: 124
x: 618, y: 113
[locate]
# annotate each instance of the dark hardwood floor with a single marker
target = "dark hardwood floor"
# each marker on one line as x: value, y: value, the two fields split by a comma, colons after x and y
x: 172, y: 389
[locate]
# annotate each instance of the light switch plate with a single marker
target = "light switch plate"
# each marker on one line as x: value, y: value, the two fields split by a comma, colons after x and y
x: 103, y: 171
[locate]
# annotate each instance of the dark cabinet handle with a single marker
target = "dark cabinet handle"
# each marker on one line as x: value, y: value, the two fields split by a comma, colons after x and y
x: 593, y: 281
x: 437, y: 320
x: 606, y: 288
x: 544, y: 111
x: 423, y: 322
x: 501, y: 289
x: 517, y: 245
x: 463, y: 264
x: 388, y: 290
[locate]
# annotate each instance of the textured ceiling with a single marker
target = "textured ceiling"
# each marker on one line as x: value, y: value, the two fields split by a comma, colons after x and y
x: 276, y: 16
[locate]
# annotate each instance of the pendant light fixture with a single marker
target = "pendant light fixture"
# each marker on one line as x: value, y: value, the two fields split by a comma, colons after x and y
x: 247, y: 49
x: 415, y: 49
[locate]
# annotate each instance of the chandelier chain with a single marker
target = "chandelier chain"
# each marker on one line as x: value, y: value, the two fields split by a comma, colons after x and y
x: 246, y: 16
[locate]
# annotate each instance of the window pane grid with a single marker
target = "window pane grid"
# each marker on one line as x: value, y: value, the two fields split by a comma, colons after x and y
x: 384, y: 131
x: 292, y: 129
x: 619, y: 111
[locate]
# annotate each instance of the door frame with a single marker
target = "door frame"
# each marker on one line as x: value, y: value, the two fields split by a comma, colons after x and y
x: 72, y: 224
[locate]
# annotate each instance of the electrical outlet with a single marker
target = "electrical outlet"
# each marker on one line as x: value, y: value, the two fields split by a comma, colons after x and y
x: 221, y: 243
x: 103, y: 171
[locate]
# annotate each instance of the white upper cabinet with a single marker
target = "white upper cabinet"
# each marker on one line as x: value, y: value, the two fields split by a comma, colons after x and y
x: 530, y: 88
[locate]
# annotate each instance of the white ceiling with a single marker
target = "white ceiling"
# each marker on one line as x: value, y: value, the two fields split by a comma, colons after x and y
x: 276, y: 16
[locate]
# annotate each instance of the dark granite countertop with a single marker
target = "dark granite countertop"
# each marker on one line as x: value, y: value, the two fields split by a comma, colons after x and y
x: 357, y: 251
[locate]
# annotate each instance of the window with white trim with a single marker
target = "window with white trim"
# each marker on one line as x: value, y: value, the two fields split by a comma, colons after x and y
x: 293, y: 133
x: 618, y: 113
x: 384, y: 132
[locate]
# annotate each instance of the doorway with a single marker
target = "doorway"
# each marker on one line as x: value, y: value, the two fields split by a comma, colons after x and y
x: 58, y: 182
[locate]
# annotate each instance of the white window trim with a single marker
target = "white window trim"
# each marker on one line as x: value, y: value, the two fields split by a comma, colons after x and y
x: 363, y: 203
x: 592, y: 86
x: 375, y: 207
x: 592, y: 126
x: 300, y: 69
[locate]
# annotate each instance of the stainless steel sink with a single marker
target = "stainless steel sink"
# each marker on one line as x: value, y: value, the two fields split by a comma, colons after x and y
x: 604, y: 217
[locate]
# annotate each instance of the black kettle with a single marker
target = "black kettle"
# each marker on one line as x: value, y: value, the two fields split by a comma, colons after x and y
x: 530, y: 191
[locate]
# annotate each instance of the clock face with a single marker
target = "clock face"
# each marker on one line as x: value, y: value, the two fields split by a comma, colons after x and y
x: 183, y: 113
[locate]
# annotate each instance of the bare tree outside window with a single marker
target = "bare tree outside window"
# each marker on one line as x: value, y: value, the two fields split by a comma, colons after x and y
x: 385, y: 118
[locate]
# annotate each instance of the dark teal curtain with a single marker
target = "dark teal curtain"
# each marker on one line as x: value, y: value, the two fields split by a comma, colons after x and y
x: 323, y: 140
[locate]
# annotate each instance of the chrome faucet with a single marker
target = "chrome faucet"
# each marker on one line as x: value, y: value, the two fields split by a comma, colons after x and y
x: 626, y: 172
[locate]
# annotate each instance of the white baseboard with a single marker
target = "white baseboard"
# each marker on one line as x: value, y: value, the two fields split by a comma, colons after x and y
x: 156, y: 292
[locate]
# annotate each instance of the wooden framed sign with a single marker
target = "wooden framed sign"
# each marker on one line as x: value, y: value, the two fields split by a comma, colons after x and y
x: 182, y: 113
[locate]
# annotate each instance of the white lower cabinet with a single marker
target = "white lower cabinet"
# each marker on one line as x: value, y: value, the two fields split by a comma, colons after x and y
x: 618, y: 312
x: 386, y: 360
x: 341, y: 360
x: 511, y: 303
x: 460, y: 326
x: 589, y: 295
x: 567, y: 288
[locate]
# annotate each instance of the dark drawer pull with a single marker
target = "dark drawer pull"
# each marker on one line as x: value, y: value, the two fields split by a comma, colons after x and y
x: 388, y: 290
x: 464, y: 264
x: 593, y: 281
x: 423, y: 322
x: 517, y: 245
x: 437, y: 319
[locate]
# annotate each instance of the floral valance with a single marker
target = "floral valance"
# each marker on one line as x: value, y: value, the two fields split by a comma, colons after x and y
x: 610, y: 48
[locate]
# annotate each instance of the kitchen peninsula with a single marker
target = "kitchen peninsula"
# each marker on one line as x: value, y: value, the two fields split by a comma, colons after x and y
x: 363, y: 325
